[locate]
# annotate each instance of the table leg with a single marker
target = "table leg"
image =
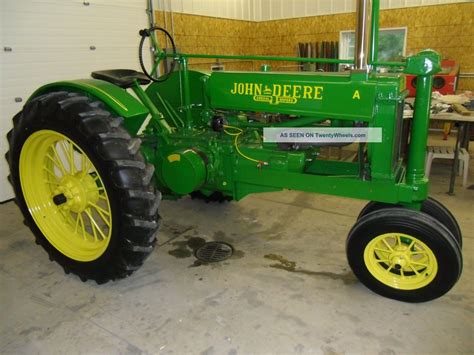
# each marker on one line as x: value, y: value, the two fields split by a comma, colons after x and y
x: 454, y: 169
x: 465, y: 137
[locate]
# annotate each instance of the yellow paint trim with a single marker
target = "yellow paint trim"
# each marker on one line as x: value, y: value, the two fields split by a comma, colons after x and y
x: 122, y: 106
x: 174, y: 157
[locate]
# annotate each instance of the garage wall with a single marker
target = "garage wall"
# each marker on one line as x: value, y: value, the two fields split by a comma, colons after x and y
x: 49, y: 40
x: 448, y: 29
x: 212, y: 35
x: 283, y: 9
x: 233, y: 9
x: 263, y: 10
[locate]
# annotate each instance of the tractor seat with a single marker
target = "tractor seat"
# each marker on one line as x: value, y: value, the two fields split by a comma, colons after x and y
x: 121, y: 77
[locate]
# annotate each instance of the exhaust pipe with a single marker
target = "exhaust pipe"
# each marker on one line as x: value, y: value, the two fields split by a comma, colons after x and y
x: 362, y: 34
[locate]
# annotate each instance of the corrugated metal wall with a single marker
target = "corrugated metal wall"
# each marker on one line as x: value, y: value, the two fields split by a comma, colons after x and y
x: 263, y: 10
x: 51, y: 40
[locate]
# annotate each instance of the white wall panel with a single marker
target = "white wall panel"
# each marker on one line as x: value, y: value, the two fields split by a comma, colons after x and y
x: 263, y: 10
x: 301, y: 8
x: 234, y: 9
x: 50, y: 41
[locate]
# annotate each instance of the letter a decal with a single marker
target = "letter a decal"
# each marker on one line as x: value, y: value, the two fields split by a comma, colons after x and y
x: 356, y: 95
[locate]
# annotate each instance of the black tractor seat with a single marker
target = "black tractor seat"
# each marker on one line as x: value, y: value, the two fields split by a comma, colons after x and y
x: 121, y: 77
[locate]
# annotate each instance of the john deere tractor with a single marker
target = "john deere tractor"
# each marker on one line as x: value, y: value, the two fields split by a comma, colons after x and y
x: 90, y: 162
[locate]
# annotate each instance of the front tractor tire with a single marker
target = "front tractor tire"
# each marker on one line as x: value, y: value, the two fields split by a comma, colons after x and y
x: 83, y: 186
x: 404, y: 254
x: 431, y: 207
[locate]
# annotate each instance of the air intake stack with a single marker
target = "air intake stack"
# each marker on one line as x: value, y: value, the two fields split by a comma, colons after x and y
x: 363, y: 34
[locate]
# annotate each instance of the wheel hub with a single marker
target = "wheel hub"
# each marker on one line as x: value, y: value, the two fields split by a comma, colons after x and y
x: 400, y: 261
x: 75, y: 192
x: 400, y: 258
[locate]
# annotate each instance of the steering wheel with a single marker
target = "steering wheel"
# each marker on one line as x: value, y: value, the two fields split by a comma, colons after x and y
x: 147, y: 32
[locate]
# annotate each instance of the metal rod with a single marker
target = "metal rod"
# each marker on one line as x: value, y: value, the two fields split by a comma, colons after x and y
x: 151, y: 13
x: 362, y: 34
x: 269, y: 58
x: 151, y: 21
x: 155, y: 113
x: 172, y: 19
x: 454, y: 168
x: 165, y: 22
x: 374, y: 32
x: 283, y: 59
x: 186, y: 93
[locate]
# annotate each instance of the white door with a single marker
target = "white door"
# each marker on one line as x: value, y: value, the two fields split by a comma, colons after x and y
x: 48, y: 40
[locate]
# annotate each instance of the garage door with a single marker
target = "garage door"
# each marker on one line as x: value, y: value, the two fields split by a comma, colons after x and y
x: 49, y: 40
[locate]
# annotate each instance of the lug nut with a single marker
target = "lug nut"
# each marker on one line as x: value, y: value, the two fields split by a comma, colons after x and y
x: 59, y: 199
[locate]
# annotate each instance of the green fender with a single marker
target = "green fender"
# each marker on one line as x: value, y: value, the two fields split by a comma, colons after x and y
x: 117, y: 100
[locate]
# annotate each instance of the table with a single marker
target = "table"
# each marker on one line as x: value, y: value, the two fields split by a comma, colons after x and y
x: 462, y: 139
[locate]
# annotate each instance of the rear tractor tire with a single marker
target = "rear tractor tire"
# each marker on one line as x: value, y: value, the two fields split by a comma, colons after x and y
x: 404, y: 254
x: 83, y: 186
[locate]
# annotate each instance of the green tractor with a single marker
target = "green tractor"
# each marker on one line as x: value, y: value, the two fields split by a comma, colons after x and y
x: 89, y: 162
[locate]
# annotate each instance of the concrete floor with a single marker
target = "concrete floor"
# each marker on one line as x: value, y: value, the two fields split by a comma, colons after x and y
x: 246, y: 305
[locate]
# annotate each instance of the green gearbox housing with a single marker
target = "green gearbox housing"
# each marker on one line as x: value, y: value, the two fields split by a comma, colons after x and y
x: 184, y: 163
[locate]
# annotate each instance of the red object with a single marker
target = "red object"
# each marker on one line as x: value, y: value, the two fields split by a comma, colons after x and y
x: 445, y: 82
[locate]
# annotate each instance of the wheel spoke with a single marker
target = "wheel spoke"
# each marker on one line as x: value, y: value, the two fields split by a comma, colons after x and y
x: 85, y: 165
x: 80, y: 221
x: 104, y: 214
x: 420, y: 264
x: 71, y: 157
x: 91, y: 221
x: 387, y: 244
x: 382, y: 250
x: 83, y: 226
x: 386, y: 261
x: 419, y: 252
x: 398, y: 240
x: 94, y: 225
x: 97, y: 178
x: 414, y: 269
x: 58, y: 158
x: 67, y: 216
x: 58, y: 165
x: 66, y: 150
x: 98, y: 208
x: 52, y: 173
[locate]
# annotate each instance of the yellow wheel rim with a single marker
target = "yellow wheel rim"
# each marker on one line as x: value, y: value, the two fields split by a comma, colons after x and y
x: 65, y: 195
x: 400, y: 261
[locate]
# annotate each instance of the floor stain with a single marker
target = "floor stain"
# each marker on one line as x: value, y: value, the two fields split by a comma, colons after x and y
x: 186, y: 248
x: 180, y: 253
x: 347, y: 278
x: 29, y: 331
x: 238, y: 254
x: 19, y: 245
x: 284, y: 264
